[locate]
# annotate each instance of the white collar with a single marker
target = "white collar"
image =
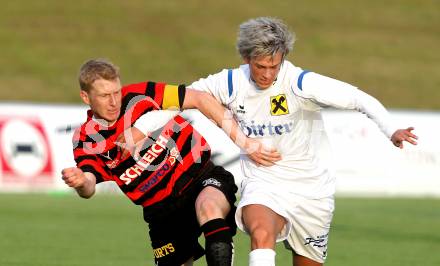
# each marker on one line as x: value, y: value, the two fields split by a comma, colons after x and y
x: 102, y: 122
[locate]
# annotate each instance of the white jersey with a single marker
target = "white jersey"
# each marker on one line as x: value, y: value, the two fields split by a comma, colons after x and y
x: 286, y: 116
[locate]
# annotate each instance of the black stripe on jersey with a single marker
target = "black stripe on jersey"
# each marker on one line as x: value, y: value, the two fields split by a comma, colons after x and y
x: 149, y: 92
x: 85, y: 157
x: 128, y: 102
x: 181, y: 91
x: 187, y: 146
x: 151, y: 89
x: 123, y: 166
x: 192, y: 173
x: 151, y: 193
x: 102, y: 135
x: 89, y: 168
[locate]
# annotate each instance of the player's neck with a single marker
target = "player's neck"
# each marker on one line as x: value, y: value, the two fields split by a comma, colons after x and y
x: 102, y: 121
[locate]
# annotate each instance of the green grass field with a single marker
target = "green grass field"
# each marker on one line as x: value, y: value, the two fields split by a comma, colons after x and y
x: 64, y: 230
x: 388, y: 49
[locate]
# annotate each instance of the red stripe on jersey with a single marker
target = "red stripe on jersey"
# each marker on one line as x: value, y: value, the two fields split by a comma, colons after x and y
x: 138, y: 109
x: 96, y: 166
x: 137, y: 88
x: 158, y: 96
x: 77, y: 135
x: 78, y: 152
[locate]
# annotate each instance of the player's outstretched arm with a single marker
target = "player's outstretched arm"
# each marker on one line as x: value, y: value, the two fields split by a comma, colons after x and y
x: 223, y: 118
x: 401, y: 135
x: 83, y: 182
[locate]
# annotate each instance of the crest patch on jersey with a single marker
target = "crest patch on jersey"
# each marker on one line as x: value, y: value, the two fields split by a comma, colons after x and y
x: 278, y: 105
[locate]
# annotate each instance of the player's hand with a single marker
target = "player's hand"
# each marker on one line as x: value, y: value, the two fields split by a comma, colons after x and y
x: 130, y: 142
x: 74, y: 177
x: 402, y: 135
x: 260, y: 154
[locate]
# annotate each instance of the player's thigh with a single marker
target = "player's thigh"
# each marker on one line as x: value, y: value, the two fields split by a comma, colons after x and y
x: 257, y: 216
x: 211, y: 203
x: 216, y: 197
x: 299, y: 260
x: 174, y: 237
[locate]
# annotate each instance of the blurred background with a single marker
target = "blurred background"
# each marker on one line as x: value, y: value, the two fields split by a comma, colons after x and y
x: 387, y: 50
x: 387, y: 206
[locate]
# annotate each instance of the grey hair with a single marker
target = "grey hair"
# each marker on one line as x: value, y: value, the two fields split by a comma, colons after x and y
x: 264, y: 36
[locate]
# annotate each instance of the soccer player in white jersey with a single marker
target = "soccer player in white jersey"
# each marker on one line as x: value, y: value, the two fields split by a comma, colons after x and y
x: 279, y: 104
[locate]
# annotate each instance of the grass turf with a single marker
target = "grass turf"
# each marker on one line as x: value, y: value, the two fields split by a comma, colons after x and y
x: 64, y: 230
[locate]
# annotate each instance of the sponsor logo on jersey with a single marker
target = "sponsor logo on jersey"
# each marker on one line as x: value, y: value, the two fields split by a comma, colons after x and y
x: 240, y: 109
x: 211, y: 181
x: 319, y: 241
x: 278, y: 105
x: 112, y: 164
x: 265, y: 129
x: 155, y: 179
x: 136, y: 170
x: 164, y: 250
x: 174, y: 155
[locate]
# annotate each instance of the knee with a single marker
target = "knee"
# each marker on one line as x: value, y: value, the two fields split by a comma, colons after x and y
x: 261, y: 234
x: 261, y: 237
x: 208, y: 207
x: 211, y: 204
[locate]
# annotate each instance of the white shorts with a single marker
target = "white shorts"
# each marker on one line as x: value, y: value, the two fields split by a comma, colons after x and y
x: 308, y: 220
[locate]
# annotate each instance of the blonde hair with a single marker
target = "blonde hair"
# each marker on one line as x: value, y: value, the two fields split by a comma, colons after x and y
x: 95, y: 69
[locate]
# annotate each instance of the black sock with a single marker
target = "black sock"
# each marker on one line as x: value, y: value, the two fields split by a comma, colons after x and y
x: 218, y: 243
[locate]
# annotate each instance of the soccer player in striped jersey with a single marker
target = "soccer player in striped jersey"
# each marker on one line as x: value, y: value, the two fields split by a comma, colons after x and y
x: 280, y: 104
x: 181, y: 191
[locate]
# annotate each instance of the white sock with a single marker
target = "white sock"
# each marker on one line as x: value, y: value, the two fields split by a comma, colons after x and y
x: 262, y: 257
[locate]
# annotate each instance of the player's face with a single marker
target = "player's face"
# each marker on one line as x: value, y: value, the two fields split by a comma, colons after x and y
x: 264, y: 69
x: 104, y: 98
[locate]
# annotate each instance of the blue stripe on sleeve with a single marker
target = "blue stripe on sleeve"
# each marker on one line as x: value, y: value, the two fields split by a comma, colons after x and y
x: 300, y: 78
x: 230, y: 86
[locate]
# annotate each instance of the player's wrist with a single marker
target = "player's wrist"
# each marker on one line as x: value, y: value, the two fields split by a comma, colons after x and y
x: 250, y: 145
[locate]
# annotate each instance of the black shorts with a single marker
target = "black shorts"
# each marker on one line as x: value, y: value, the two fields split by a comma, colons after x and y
x: 174, y: 232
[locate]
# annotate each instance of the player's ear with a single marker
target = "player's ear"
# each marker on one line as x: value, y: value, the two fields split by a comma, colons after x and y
x: 84, y: 96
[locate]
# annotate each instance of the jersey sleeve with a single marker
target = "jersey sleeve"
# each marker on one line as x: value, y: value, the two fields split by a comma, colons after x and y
x: 87, y: 161
x: 154, y: 120
x: 219, y: 85
x: 162, y: 95
x: 329, y: 92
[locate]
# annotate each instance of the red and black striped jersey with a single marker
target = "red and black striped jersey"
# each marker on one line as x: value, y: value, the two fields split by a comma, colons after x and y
x: 170, y: 159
